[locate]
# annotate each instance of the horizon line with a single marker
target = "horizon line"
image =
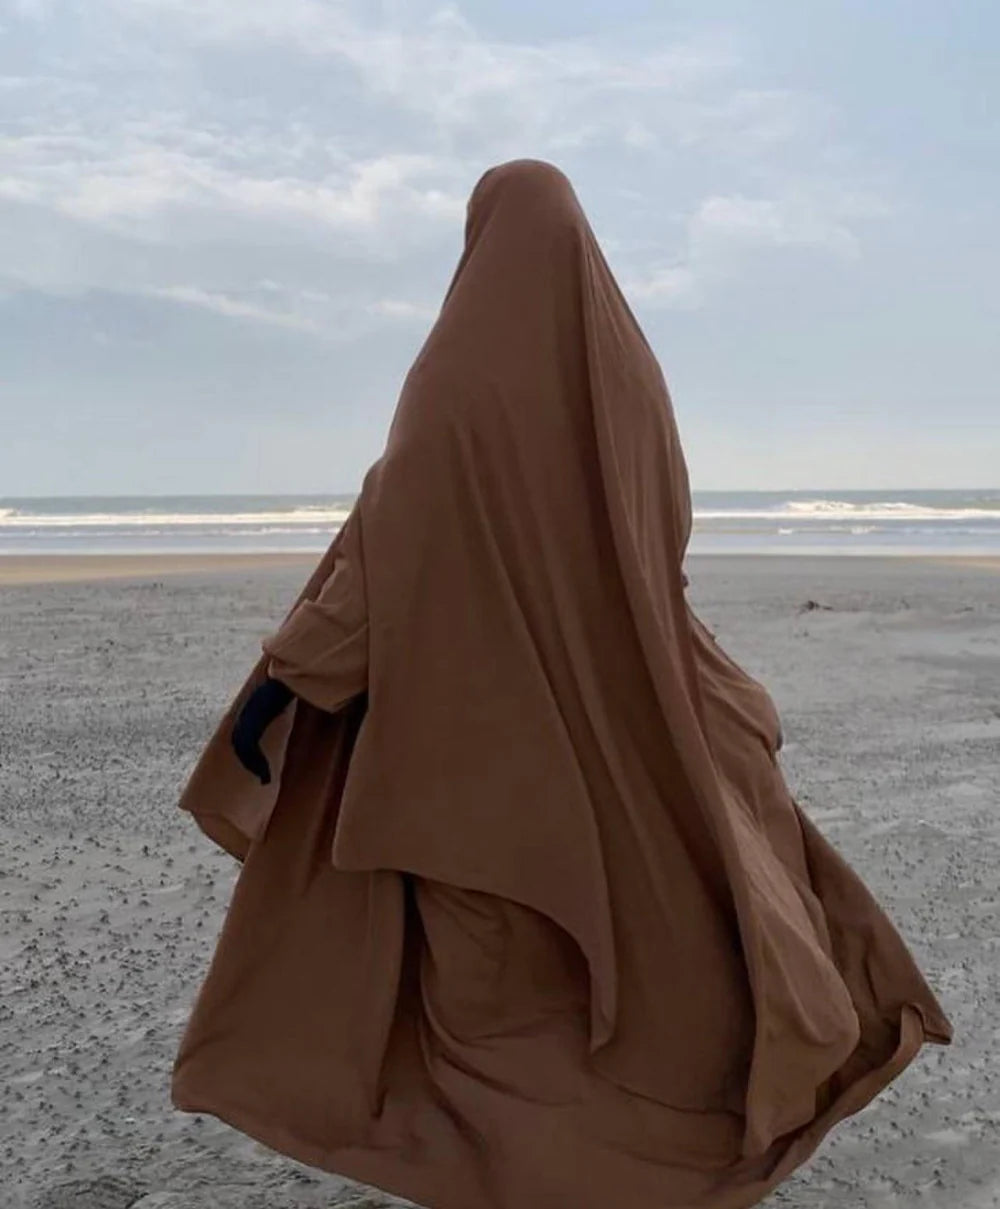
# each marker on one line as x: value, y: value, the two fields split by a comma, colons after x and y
x: 111, y: 495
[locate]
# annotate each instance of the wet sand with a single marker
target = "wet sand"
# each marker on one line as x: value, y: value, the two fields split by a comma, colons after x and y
x: 87, y: 568
x: 887, y: 676
x: 78, y: 568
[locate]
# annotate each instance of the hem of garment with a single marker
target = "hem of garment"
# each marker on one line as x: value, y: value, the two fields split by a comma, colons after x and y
x: 436, y: 1187
x: 224, y: 833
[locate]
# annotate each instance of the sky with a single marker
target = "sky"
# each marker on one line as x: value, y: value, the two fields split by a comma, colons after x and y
x: 226, y: 226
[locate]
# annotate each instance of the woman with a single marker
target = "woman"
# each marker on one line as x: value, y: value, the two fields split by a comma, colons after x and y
x: 527, y: 914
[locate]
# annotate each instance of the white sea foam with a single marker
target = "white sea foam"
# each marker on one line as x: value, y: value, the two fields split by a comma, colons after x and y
x: 966, y: 521
x: 14, y: 518
x: 826, y: 509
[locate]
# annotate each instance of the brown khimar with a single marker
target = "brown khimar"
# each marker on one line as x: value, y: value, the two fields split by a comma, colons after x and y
x: 528, y: 916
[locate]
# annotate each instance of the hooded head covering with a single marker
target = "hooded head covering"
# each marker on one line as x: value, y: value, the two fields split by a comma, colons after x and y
x: 527, y: 707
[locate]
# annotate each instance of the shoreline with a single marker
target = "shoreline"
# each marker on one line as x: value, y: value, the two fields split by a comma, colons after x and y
x: 28, y: 569
x: 39, y: 569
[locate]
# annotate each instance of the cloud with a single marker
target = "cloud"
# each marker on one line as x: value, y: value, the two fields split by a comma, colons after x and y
x: 133, y: 182
x: 431, y: 61
x: 234, y: 308
x: 723, y: 230
x: 670, y: 285
x: 136, y: 139
x: 820, y: 220
x: 290, y: 313
x: 395, y: 308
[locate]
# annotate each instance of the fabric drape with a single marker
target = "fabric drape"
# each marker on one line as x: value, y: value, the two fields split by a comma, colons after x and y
x: 528, y: 913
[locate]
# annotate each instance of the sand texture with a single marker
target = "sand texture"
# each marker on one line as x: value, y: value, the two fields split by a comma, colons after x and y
x: 77, y: 568
x: 888, y: 684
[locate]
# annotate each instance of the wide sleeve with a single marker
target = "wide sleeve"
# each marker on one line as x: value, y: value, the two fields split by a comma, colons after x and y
x: 321, y: 649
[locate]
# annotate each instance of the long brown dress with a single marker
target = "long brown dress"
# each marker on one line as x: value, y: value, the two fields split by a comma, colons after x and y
x: 528, y: 917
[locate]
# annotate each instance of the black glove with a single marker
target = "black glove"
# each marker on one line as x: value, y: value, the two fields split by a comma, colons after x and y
x: 259, y: 710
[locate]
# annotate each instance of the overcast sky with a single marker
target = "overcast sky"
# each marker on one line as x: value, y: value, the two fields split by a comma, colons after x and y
x: 226, y: 225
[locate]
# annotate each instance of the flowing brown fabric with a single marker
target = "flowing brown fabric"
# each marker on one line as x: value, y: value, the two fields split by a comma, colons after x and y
x: 528, y: 916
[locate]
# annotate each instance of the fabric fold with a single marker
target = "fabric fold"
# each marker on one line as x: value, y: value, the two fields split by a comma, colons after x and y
x: 321, y: 650
x: 529, y: 828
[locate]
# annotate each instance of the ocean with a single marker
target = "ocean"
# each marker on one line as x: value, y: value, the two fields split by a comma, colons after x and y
x: 758, y: 522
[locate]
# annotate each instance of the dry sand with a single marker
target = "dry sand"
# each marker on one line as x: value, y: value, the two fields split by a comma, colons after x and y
x: 111, y: 900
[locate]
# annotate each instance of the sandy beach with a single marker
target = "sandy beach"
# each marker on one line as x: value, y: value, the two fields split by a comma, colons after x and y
x: 113, y: 671
x: 84, y: 568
